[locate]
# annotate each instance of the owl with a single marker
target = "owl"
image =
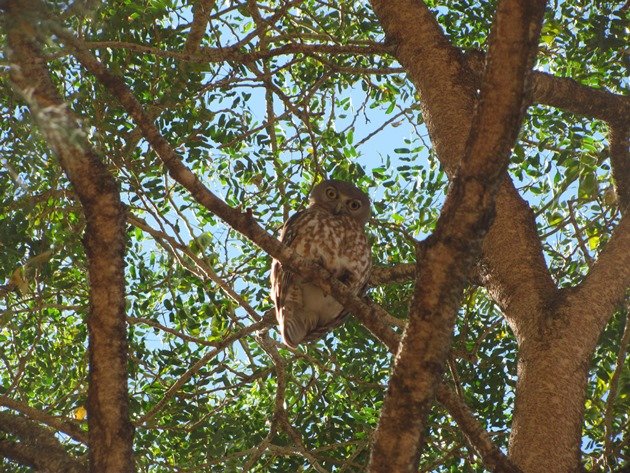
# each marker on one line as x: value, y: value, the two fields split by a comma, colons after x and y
x: 330, y: 232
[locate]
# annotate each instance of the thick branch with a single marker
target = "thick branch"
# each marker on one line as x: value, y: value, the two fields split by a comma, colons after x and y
x: 593, y: 302
x: 456, y: 243
x: 447, y: 98
x: 201, y: 13
x: 619, y: 138
x: 67, y: 428
x: 37, y: 448
x: 567, y: 94
x: 477, y: 436
x: 110, y: 433
x: 513, y: 267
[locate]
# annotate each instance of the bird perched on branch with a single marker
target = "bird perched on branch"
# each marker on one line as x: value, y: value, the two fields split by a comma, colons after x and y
x: 330, y: 232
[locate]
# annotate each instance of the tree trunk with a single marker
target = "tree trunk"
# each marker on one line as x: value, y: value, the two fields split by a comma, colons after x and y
x: 551, y: 387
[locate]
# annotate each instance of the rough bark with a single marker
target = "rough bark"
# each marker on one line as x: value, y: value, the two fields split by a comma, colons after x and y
x: 201, y: 14
x: 70, y: 429
x: 620, y: 159
x: 393, y: 274
x: 477, y: 437
x: 567, y: 94
x: 36, y: 447
x: 548, y: 412
x: 554, y: 353
x: 513, y: 268
x: 110, y: 431
x: 549, y: 407
x: 456, y: 242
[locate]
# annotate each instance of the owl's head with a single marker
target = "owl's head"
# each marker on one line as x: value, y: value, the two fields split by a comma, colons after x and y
x: 342, y: 198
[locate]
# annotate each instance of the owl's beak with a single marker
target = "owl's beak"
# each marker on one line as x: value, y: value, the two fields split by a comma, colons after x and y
x: 340, y: 208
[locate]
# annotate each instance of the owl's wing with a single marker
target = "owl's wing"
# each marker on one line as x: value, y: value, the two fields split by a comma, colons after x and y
x: 286, y: 293
x: 282, y: 279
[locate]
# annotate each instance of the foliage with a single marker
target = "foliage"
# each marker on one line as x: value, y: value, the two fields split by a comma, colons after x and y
x: 314, y: 95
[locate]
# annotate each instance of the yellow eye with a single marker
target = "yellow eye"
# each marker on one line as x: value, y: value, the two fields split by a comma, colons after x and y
x: 354, y: 205
x: 331, y: 193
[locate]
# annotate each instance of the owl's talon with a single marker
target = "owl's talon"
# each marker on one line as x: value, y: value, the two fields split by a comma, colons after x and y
x: 346, y: 277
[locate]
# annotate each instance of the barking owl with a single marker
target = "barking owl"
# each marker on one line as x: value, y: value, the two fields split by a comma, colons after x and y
x: 331, y: 232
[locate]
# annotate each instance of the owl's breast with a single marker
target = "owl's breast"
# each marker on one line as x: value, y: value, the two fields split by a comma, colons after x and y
x: 338, y: 243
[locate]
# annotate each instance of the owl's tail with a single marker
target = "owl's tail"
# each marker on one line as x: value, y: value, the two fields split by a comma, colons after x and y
x: 293, y: 331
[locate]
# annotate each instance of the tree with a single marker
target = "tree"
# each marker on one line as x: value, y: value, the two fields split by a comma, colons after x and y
x: 152, y: 149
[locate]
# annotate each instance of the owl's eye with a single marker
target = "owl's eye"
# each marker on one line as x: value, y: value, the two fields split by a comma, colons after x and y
x: 354, y: 205
x: 331, y: 193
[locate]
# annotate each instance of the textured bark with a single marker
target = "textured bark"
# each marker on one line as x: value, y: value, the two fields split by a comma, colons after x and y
x: 477, y: 437
x: 456, y: 242
x: 37, y: 446
x: 70, y: 429
x: 620, y: 159
x: 38, y: 458
x: 548, y: 412
x: 110, y: 431
x: 567, y: 94
x: 513, y: 268
x: 554, y: 353
x: 201, y: 14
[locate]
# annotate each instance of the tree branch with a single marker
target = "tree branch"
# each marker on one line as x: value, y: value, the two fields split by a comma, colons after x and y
x: 201, y: 14
x: 402, y: 272
x: 517, y: 279
x: 184, y: 378
x: 70, y: 429
x: 110, y: 432
x: 38, y: 447
x: 593, y: 302
x: 493, y: 458
x: 619, y: 138
x: 567, y: 94
x: 456, y: 243
x: 372, y: 316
